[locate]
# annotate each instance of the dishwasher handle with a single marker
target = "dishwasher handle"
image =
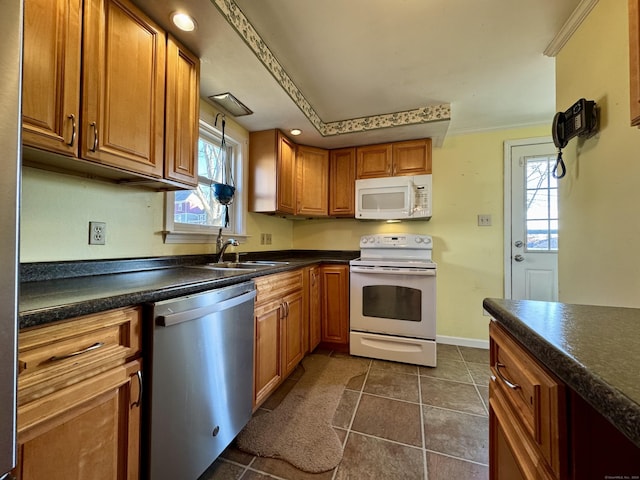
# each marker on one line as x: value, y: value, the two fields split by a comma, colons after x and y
x: 195, y: 313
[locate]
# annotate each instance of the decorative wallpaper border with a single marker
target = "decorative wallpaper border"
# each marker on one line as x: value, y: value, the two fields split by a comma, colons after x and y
x: 240, y: 23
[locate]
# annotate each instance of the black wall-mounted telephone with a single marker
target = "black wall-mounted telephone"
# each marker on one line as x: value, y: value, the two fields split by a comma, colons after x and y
x: 581, y: 119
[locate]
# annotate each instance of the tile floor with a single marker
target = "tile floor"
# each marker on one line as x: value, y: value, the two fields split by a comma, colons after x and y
x: 397, y: 421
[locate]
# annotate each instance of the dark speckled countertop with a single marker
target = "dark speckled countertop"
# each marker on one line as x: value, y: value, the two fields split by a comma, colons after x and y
x: 56, y: 291
x: 595, y: 350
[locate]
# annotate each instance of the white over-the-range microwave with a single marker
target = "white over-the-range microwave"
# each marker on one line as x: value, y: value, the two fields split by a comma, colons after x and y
x: 394, y: 198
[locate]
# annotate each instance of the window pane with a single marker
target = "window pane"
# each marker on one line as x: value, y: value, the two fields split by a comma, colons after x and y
x: 537, y: 204
x: 199, y: 207
x: 537, y: 172
x: 537, y: 235
x: 553, y: 234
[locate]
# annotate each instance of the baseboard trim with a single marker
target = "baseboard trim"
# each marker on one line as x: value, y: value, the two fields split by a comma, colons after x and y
x: 463, y: 342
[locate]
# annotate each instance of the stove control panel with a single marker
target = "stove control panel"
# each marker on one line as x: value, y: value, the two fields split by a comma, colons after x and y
x: 400, y: 240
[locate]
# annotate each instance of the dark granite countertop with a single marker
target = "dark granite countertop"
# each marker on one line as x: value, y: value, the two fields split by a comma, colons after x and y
x: 56, y: 291
x: 595, y: 350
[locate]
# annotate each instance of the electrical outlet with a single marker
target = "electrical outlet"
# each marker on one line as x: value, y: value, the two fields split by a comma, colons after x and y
x: 97, y: 233
x: 484, y: 220
x: 265, y: 239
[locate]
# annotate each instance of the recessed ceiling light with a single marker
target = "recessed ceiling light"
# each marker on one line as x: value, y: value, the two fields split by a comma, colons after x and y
x: 295, y: 131
x: 183, y: 21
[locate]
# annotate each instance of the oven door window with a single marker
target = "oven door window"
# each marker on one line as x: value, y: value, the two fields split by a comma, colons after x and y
x: 393, y: 302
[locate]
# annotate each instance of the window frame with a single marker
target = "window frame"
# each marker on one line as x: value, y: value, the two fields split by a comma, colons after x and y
x: 186, y: 233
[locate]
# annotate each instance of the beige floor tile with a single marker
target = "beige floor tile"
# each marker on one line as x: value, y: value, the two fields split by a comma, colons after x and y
x: 283, y: 469
x: 375, y: 459
x: 484, y: 393
x: 396, y: 367
x: 440, y: 467
x: 462, y: 397
x: 356, y: 382
x: 444, y: 351
x: 392, y: 385
x: 390, y: 419
x: 480, y: 373
x: 346, y: 408
x: 476, y: 355
x: 449, y: 370
x: 457, y: 434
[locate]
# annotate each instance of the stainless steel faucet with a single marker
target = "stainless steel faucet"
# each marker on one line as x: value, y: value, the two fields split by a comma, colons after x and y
x: 221, y: 246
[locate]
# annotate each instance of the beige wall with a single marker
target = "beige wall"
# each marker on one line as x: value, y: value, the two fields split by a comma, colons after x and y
x: 600, y: 196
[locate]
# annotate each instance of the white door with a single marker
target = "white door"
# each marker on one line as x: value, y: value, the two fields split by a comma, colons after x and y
x: 531, y: 241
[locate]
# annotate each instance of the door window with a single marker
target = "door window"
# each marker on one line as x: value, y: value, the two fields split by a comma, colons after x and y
x: 541, y: 210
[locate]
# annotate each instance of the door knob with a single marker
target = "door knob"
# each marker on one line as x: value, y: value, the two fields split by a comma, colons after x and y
x: 519, y: 243
x: 518, y: 258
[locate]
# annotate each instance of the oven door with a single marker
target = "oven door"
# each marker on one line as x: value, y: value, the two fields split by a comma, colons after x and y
x: 393, y: 301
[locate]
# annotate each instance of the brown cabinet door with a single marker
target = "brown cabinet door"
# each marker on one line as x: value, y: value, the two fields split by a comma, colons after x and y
x: 342, y: 178
x: 294, y: 330
x: 374, y: 161
x: 123, y: 88
x: 51, y: 75
x: 268, y: 352
x: 312, y: 188
x: 335, y: 304
x: 634, y: 60
x: 412, y: 157
x: 96, y: 436
x: 182, y: 115
x: 315, y: 324
x: 286, y: 172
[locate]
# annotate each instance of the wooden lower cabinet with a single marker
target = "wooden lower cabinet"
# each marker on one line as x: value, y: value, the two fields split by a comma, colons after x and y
x: 335, y: 305
x: 280, y: 333
x: 79, y: 396
x: 527, y: 413
x: 541, y: 429
x: 315, y: 312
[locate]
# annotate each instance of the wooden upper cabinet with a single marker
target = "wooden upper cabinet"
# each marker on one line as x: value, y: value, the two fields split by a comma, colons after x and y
x: 374, y: 161
x: 51, y: 75
x: 286, y: 168
x: 312, y: 167
x: 272, y: 178
x: 182, y: 109
x: 342, y: 176
x: 634, y: 60
x: 412, y: 157
x: 123, y: 87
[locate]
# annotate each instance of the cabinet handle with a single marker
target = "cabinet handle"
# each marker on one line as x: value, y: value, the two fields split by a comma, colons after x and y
x: 72, y: 117
x: 95, y: 346
x: 95, y: 136
x: 138, y: 402
x: 287, y: 306
x: 508, y: 383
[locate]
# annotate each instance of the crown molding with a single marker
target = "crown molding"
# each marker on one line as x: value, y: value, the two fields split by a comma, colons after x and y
x: 243, y: 27
x: 570, y: 26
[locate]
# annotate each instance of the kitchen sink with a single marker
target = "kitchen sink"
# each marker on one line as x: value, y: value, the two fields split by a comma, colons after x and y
x: 242, y: 266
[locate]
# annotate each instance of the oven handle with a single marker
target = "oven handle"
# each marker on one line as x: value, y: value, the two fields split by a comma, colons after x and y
x: 424, y: 273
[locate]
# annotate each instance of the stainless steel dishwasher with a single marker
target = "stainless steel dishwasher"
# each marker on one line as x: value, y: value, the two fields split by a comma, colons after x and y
x: 201, y: 379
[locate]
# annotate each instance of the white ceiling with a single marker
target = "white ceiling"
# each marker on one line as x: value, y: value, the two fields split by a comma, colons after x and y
x: 355, y: 58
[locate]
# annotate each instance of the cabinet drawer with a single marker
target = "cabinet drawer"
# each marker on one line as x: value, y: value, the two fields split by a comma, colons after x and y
x: 61, y: 354
x: 534, y: 395
x: 278, y: 285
